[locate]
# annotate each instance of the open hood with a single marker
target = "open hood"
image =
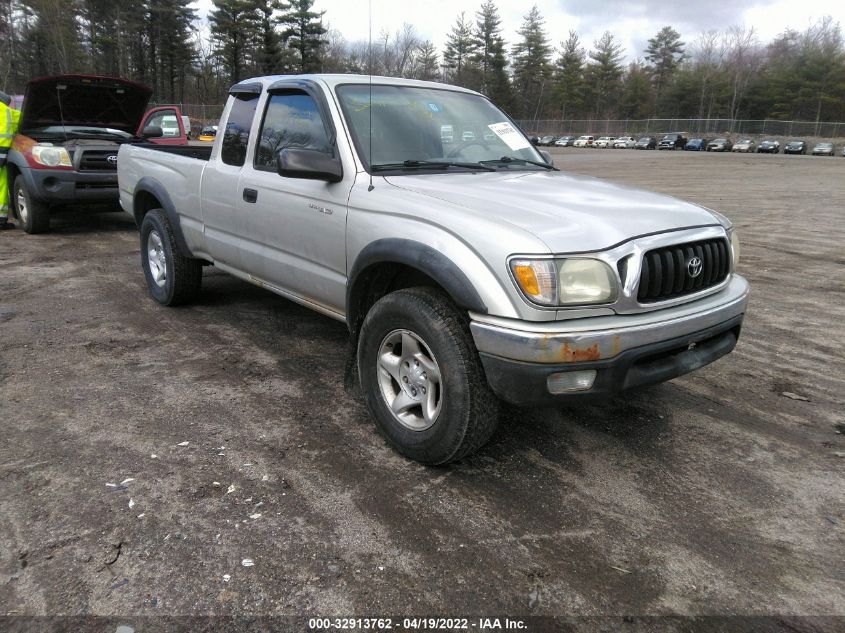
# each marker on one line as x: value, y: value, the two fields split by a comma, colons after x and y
x: 84, y: 100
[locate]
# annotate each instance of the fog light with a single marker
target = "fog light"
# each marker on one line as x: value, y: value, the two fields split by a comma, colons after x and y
x: 566, y: 381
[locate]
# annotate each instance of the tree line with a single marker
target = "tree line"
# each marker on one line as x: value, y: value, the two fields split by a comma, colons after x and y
x: 719, y: 74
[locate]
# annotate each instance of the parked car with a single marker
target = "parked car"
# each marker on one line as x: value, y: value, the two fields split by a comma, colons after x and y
x: 71, y: 127
x: 452, y: 301
x: 646, y: 142
x: 65, y: 151
x: 824, y: 149
x: 696, y: 145
x: 795, y: 147
x: 565, y: 141
x: 624, y: 142
x: 534, y: 140
x: 744, y: 145
x: 843, y: 151
x: 469, y: 135
x: 209, y: 133
x: 547, y: 140
x: 769, y: 146
x: 603, y: 142
x: 720, y: 145
x: 584, y: 141
x: 672, y: 141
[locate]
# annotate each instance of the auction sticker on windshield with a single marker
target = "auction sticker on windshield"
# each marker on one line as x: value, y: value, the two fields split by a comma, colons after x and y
x: 510, y: 135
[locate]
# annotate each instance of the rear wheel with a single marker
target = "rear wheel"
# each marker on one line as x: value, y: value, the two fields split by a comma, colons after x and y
x: 173, y: 277
x: 33, y: 214
x: 422, y: 378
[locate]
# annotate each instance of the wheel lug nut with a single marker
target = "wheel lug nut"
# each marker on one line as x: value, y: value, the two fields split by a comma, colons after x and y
x: 416, y: 363
x: 413, y: 392
x: 423, y: 376
x: 404, y: 379
x: 422, y: 389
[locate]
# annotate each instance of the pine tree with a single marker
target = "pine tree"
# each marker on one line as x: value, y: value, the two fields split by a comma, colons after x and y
x: 487, y: 37
x: 304, y: 35
x: 637, y: 94
x: 604, y: 74
x: 457, y: 56
x: 233, y: 28
x: 426, y: 61
x: 531, y: 63
x: 270, y: 56
x: 569, y: 77
x: 664, y: 54
x: 499, y: 87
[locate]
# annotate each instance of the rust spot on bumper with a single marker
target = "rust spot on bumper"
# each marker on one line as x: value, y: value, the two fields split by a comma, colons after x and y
x: 572, y: 354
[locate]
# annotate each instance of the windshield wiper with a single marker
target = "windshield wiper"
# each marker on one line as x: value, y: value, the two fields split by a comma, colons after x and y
x: 429, y: 164
x: 508, y: 160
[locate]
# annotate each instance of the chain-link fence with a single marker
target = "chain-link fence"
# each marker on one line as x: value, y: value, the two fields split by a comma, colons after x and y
x: 703, y: 127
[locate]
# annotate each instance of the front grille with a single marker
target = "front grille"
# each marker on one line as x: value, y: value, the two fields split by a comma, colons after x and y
x: 665, y: 271
x: 98, y: 160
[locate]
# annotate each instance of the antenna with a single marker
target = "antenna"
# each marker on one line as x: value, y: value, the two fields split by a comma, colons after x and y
x: 370, y: 108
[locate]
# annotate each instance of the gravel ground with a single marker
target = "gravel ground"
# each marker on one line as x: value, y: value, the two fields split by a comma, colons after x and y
x: 148, y: 452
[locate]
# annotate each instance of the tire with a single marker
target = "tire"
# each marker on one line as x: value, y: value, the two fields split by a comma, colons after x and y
x: 173, y: 278
x: 426, y: 327
x: 33, y: 214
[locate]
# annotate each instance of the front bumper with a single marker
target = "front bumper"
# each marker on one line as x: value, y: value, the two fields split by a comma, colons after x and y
x: 626, y: 351
x: 64, y: 186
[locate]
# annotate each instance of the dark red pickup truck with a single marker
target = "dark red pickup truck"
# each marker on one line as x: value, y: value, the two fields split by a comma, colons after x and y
x: 71, y: 127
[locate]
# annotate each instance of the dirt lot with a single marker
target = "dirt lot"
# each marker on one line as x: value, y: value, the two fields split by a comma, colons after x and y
x: 712, y: 494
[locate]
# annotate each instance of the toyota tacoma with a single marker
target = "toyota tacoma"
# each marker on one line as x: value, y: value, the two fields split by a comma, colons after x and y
x: 467, y: 273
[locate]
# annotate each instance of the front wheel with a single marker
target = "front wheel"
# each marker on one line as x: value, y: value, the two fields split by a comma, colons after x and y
x: 422, y: 378
x: 33, y: 214
x: 173, y: 277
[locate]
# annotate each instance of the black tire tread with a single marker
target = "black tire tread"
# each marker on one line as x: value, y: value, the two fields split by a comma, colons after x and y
x: 484, y: 405
x: 186, y: 271
x: 38, y: 213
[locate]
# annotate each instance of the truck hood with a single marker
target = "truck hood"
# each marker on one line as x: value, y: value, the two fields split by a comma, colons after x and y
x: 569, y: 213
x: 84, y: 100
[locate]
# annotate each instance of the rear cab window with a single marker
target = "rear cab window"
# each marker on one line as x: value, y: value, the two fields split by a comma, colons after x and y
x: 238, y: 128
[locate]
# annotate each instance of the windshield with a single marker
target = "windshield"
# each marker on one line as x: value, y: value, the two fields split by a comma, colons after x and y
x: 409, y: 124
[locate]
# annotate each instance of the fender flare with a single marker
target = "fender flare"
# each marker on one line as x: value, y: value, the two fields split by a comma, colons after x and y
x: 420, y: 257
x: 156, y: 189
x: 14, y: 159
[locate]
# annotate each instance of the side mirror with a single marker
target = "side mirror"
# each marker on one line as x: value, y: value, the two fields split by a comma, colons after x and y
x: 546, y: 156
x: 152, y: 131
x: 308, y: 164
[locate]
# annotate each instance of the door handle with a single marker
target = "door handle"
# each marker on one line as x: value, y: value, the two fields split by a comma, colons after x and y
x: 250, y: 195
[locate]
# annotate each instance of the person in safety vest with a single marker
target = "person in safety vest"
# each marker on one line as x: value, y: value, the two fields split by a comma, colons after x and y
x: 9, y: 118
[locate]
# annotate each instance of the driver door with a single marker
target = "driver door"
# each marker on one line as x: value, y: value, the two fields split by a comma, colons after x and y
x: 294, y: 229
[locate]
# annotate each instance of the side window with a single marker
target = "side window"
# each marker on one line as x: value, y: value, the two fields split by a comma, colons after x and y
x: 166, y: 120
x: 238, y: 127
x: 291, y: 120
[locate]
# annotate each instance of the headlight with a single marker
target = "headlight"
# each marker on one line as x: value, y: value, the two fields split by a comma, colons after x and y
x: 576, y: 281
x: 735, y: 247
x: 49, y: 156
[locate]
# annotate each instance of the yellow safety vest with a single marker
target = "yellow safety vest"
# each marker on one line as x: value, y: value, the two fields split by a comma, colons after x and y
x: 9, y: 119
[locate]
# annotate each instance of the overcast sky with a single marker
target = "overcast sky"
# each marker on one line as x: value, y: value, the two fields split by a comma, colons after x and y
x: 631, y: 21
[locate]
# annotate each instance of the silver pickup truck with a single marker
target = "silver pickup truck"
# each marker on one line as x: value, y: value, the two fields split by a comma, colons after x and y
x: 467, y: 268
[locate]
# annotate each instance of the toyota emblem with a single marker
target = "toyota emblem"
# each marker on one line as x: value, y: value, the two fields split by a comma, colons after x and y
x: 694, y: 267
x: 112, y: 159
